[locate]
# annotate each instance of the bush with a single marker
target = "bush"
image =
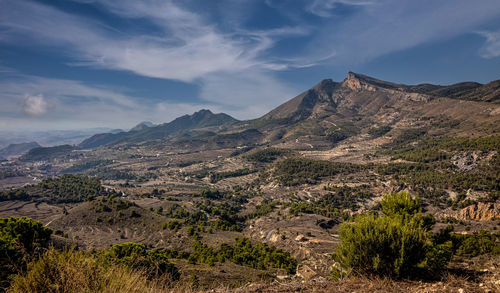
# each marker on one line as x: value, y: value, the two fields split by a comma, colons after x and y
x: 243, y: 252
x: 135, y: 255
x: 478, y: 244
x: 64, y: 189
x: 295, y: 171
x: 379, y: 131
x: 395, y: 245
x: 400, y: 204
x: 21, y: 240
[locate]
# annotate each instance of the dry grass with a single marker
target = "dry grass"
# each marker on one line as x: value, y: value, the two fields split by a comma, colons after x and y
x: 451, y: 284
x: 70, y: 271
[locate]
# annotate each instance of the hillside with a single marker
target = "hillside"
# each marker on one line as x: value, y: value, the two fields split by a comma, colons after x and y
x: 141, y: 126
x: 198, y: 120
x: 17, y: 149
x: 328, y: 113
x: 333, y: 111
x: 48, y: 153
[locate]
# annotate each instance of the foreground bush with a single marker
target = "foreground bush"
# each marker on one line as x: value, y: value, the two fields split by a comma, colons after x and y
x: 21, y: 241
x: 70, y: 271
x: 395, y: 245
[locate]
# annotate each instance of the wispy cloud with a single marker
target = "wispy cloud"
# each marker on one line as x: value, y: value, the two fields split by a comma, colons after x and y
x: 388, y: 26
x: 325, y: 8
x: 491, y: 48
x: 184, y: 48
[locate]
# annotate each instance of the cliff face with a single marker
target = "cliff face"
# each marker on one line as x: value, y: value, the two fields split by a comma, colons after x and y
x: 479, y: 212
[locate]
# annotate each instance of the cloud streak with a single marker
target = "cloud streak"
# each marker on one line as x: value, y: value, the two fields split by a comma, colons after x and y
x: 325, y: 8
x: 184, y: 48
x: 388, y: 26
x: 491, y: 48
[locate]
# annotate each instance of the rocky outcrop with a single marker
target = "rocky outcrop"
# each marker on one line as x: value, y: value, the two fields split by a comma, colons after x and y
x: 354, y: 83
x: 480, y: 212
x: 465, y: 161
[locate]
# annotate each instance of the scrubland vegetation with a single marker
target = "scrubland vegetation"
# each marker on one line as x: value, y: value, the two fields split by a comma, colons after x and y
x: 394, y: 240
x: 66, y: 188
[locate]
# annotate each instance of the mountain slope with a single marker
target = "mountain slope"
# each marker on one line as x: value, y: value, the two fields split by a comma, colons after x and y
x: 141, y: 126
x: 200, y: 119
x: 334, y: 111
x: 331, y: 112
x: 17, y: 149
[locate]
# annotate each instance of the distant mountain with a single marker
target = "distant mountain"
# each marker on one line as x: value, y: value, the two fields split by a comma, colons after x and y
x: 489, y: 92
x: 331, y: 112
x: 470, y: 91
x: 199, y: 120
x: 141, y: 126
x: 51, y: 137
x: 48, y: 153
x: 17, y: 149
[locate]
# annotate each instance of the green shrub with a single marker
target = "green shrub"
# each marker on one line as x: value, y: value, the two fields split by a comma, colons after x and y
x: 21, y: 240
x: 64, y: 189
x: 244, y: 252
x: 379, y: 131
x: 295, y: 171
x: 395, y: 245
x: 478, y: 244
x: 137, y: 256
x: 401, y: 203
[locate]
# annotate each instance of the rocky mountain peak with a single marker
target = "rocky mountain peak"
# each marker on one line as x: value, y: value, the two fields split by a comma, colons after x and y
x: 352, y: 82
x: 142, y: 125
x: 357, y: 82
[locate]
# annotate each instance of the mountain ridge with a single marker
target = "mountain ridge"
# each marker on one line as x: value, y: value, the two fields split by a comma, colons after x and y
x: 16, y: 149
x: 199, y: 119
x: 316, y: 110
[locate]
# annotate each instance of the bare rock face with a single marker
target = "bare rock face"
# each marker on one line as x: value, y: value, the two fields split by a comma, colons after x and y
x: 355, y: 83
x: 480, y: 212
x: 465, y: 161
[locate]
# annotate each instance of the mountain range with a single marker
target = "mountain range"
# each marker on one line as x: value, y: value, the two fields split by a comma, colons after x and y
x: 330, y: 112
x: 17, y: 149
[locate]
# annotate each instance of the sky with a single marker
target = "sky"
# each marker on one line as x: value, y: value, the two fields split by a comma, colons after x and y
x: 73, y: 64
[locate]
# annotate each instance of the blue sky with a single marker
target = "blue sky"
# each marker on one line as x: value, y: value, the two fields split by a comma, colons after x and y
x: 68, y: 64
